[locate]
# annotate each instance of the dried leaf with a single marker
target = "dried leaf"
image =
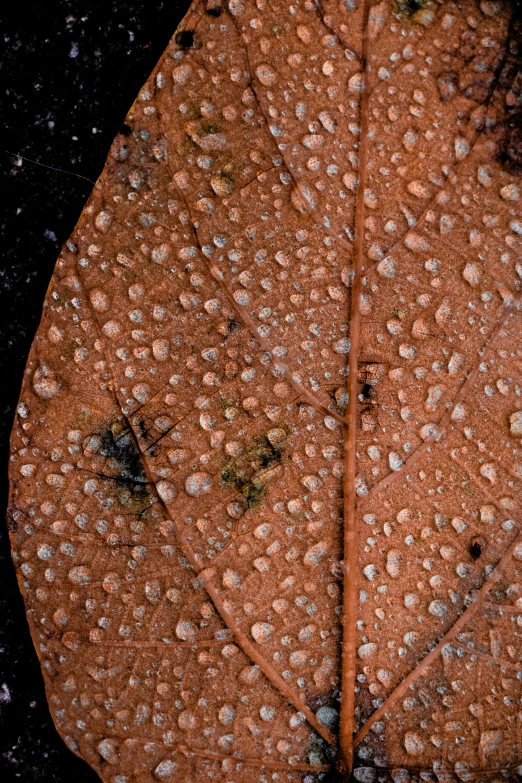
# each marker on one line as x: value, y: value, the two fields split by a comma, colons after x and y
x: 291, y: 300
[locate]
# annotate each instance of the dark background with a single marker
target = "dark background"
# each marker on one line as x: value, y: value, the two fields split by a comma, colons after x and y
x: 69, y: 71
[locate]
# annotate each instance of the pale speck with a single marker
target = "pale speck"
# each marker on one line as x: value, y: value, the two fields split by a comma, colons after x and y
x: 489, y: 471
x: 267, y: 712
x: 489, y: 741
x: 99, y: 300
x: 166, y: 490
x: 161, y: 349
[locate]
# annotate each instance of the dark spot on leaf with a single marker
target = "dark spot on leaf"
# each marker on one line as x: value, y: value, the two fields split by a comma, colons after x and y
x: 125, y: 129
x: 209, y: 127
x: 230, y: 327
x: 227, y: 174
x: 252, y: 492
x: 265, y: 452
x: 510, y: 146
x: 330, y: 754
x: 185, y: 38
x: 329, y: 698
x: 124, y: 467
x: 241, y: 472
x: 122, y: 454
x: 334, y: 775
x: 137, y: 498
x: 213, y: 8
x: 233, y: 327
x: 410, y: 7
x: 229, y: 477
x: 475, y: 549
x: 399, y: 313
x: 366, y: 391
x: 317, y: 750
x: 142, y: 429
x: 12, y: 516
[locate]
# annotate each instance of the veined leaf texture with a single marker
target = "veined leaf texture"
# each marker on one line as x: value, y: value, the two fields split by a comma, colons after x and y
x: 266, y: 470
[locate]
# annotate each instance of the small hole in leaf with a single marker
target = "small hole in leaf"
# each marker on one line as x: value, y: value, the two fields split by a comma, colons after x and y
x: 410, y: 7
x: 125, y: 129
x: 475, y: 550
x: 366, y: 391
x: 233, y: 327
x: 213, y: 8
x: 185, y: 38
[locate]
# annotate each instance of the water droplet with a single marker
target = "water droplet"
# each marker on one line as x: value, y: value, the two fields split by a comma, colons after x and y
x: 413, y: 743
x: 262, y: 632
x: 198, y: 484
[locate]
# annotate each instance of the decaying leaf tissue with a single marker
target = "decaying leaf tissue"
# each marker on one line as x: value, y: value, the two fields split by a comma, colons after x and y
x: 266, y: 470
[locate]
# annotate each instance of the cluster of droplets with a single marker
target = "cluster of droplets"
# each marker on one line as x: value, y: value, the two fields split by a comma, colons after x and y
x: 205, y: 299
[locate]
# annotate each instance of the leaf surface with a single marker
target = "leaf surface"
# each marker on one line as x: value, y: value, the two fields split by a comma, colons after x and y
x: 268, y: 444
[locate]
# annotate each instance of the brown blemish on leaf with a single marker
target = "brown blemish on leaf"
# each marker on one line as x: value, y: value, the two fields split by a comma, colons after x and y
x: 119, y: 462
x: 119, y: 449
x: 248, y: 472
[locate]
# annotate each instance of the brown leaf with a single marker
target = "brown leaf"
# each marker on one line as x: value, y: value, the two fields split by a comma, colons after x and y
x: 291, y: 300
